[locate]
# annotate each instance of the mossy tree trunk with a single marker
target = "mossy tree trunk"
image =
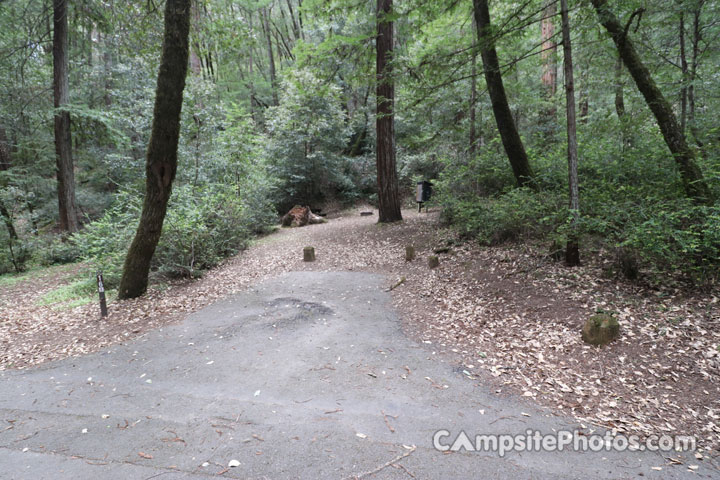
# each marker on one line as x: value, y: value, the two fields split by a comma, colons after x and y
x: 161, y: 161
x: 692, y: 177
x: 503, y: 115
x: 388, y: 196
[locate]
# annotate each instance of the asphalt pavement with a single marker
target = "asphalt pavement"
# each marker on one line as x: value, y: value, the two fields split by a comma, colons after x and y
x: 306, y: 376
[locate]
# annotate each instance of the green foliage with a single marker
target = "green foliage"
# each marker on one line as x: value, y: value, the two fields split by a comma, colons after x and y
x: 203, y: 227
x: 519, y: 213
x: 241, y: 156
x: 102, y: 244
x: 680, y: 237
x: 307, y: 137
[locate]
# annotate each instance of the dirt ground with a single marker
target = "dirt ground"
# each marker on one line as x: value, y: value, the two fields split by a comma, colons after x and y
x: 511, y: 314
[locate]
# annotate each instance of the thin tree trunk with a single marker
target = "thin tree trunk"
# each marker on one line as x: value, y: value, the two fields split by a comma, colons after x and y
x: 503, y: 116
x: 620, y: 105
x: 691, y: 79
x: 473, y: 93
x: 548, y: 57
x: 388, y: 197
x: 619, y: 94
x: 196, y: 64
x: 692, y: 177
x: 161, y: 163
x: 253, y: 101
x: 300, y: 20
x: 684, y: 68
x: 271, y: 59
x: 584, y: 106
x: 295, y: 27
x: 572, y: 251
x: 63, y: 142
x: 107, y: 72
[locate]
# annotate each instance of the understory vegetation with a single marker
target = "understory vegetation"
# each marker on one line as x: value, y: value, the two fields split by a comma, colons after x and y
x: 279, y: 110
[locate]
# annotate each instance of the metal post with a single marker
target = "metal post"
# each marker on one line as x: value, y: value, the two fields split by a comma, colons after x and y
x: 101, y: 293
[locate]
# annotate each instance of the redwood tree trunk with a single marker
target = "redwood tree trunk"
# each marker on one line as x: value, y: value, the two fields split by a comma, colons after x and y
x: 63, y: 142
x: 388, y: 198
x: 161, y: 162
x: 503, y: 116
x: 692, y: 177
x: 549, y: 49
x: 572, y: 251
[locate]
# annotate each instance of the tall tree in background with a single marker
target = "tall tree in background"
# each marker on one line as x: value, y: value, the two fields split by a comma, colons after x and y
x: 388, y: 198
x: 63, y: 142
x: 548, y: 57
x: 473, y: 92
x: 161, y: 162
x: 503, y: 116
x: 271, y: 60
x: 692, y: 177
x: 572, y: 252
x: 548, y: 47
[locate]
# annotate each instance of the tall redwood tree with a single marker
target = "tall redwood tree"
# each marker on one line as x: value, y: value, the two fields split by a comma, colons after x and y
x: 67, y: 206
x: 388, y: 196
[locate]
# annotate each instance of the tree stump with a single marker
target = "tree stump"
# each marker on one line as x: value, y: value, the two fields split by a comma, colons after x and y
x: 600, y: 329
x: 433, y: 261
x: 309, y: 254
x: 409, y: 253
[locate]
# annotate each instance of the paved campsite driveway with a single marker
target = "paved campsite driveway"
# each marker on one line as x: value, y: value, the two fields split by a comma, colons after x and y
x: 305, y: 376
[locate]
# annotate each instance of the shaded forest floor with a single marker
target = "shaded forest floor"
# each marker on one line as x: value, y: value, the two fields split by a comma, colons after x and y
x: 509, y: 314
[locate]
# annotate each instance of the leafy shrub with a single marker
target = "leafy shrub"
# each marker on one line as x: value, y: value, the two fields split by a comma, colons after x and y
x: 516, y: 214
x: 53, y: 250
x: 679, y: 236
x: 202, y: 227
x: 104, y: 242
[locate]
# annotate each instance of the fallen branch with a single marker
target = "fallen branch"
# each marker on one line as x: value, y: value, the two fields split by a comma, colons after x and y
x: 387, y: 422
x: 397, y: 284
x: 385, y: 465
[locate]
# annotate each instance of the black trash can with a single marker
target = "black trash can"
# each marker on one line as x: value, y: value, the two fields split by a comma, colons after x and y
x: 423, y: 193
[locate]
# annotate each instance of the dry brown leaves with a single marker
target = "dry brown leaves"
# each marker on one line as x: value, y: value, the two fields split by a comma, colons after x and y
x: 509, y: 312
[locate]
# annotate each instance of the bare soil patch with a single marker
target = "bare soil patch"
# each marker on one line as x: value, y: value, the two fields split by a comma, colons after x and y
x: 511, y: 315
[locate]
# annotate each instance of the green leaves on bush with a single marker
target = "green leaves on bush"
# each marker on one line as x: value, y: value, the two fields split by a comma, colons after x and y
x: 517, y: 214
x: 679, y: 236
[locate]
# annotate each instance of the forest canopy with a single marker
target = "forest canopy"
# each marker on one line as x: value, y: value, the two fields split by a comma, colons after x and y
x: 280, y: 108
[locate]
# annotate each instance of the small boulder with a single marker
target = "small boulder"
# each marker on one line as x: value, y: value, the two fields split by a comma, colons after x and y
x: 600, y: 329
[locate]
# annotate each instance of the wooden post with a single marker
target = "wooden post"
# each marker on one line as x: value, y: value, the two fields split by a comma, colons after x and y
x: 409, y: 253
x: 308, y: 254
x: 433, y: 261
x: 101, y: 293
